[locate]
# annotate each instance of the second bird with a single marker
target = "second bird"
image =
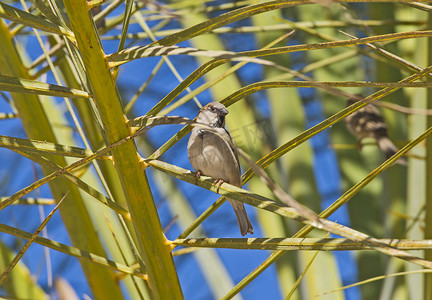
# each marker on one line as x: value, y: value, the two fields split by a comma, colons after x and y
x: 213, y: 153
x: 369, y: 123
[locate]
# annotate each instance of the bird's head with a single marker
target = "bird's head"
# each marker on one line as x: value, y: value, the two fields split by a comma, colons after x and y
x: 213, y: 114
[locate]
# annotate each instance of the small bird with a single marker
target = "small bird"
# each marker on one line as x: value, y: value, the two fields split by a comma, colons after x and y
x: 213, y: 153
x: 369, y: 123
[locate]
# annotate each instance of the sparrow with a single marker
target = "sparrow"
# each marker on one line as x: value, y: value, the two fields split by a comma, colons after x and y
x: 213, y: 153
x: 369, y: 123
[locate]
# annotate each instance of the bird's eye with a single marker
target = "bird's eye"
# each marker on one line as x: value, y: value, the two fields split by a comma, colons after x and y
x: 212, y: 108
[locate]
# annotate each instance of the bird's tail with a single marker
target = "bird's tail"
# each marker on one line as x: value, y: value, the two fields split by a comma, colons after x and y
x: 389, y: 149
x: 242, y: 217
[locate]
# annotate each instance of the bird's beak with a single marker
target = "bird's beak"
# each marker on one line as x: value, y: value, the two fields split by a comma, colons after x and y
x: 223, y: 112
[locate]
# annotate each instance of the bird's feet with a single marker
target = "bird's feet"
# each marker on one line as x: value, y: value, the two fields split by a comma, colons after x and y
x: 197, y: 175
x: 360, y: 144
x: 218, y: 183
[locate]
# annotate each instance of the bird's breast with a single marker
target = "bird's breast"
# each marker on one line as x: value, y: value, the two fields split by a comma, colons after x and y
x: 211, y: 155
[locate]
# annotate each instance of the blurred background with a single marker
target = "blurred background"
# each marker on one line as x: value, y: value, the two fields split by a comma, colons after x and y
x: 315, y: 173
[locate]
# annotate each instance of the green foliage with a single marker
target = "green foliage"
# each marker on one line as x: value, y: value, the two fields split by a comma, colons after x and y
x: 385, y: 201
